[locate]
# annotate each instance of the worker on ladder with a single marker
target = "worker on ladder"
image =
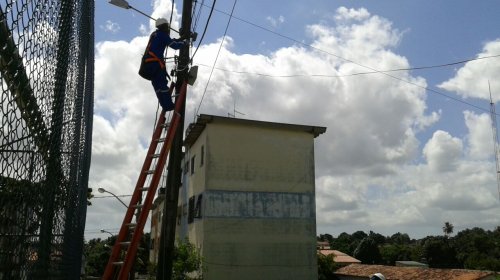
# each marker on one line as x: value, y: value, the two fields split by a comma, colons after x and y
x: 153, y: 62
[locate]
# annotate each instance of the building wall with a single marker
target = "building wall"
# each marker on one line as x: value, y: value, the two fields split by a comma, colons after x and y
x: 256, y: 213
x: 259, y: 159
x: 259, y: 249
x: 156, y: 216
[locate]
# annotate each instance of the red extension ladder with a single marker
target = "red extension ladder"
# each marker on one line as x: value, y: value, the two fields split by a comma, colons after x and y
x: 125, y: 248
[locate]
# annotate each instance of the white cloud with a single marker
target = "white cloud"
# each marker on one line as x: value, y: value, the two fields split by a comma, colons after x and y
x: 275, y: 22
x: 163, y: 8
x: 472, y: 79
x: 443, y: 152
x: 345, y: 14
x: 367, y: 163
x: 480, y: 135
x: 110, y: 26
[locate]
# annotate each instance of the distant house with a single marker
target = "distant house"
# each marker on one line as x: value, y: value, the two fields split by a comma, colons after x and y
x: 322, y: 245
x: 362, y: 271
x: 338, y: 257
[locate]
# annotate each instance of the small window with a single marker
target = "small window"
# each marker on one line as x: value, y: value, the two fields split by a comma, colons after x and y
x: 192, y: 165
x: 202, y: 156
x: 197, y: 209
x: 186, y: 167
x: 191, y: 210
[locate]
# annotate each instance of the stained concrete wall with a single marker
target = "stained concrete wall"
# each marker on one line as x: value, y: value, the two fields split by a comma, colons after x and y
x: 259, y: 249
x: 258, y: 209
x: 259, y: 159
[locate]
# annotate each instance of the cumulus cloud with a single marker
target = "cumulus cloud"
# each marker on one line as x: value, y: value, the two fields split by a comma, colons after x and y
x: 472, y: 80
x: 369, y: 162
x: 110, y: 26
x: 443, y: 151
x: 480, y: 135
x: 275, y: 22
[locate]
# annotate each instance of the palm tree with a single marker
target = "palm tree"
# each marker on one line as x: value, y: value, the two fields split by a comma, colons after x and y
x: 447, y: 229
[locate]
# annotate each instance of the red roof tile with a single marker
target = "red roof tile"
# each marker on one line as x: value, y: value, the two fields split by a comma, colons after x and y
x: 407, y: 273
x: 339, y: 257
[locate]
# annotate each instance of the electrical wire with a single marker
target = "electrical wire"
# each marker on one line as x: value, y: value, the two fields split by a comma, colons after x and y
x: 373, y: 70
x: 194, y: 24
x: 352, y: 74
x: 216, y: 57
x: 204, y: 30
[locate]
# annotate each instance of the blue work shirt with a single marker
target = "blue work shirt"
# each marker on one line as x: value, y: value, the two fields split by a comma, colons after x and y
x: 159, y: 40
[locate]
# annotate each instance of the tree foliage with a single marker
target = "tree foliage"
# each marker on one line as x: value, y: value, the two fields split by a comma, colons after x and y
x: 326, y: 267
x: 367, y: 251
x: 474, y: 248
x: 447, y: 229
x: 187, y: 261
x: 97, y: 252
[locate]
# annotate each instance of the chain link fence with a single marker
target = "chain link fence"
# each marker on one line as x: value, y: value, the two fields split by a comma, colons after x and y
x: 46, y: 108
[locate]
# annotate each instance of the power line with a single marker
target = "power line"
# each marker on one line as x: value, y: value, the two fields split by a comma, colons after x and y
x: 216, y: 57
x: 352, y: 74
x: 205, y: 29
x: 373, y: 70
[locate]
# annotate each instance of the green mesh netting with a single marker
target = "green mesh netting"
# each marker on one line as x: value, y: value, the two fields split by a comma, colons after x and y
x: 46, y: 108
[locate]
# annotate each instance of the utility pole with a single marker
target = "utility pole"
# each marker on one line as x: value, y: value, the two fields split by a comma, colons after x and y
x: 168, y: 226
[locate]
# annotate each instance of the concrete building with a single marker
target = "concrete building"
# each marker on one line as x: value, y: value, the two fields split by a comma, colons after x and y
x: 248, y: 198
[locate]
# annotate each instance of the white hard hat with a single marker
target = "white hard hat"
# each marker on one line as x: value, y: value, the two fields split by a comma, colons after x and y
x: 377, y: 276
x: 161, y: 21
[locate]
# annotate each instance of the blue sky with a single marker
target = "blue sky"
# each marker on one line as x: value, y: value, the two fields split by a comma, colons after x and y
x: 396, y: 157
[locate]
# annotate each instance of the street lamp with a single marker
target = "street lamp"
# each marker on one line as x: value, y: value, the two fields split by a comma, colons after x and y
x: 124, y: 4
x: 105, y: 231
x: 102, y: 190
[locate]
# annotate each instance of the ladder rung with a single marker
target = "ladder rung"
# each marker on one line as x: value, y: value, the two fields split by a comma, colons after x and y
x: 144, y: 189
x: 150, y: 172
x: 162, y: 139
x: 155, y: 155
x: 126, y: 243
x: 131, y: 225
x: 137, y: 206
x: 165, y: 124
x: 117, y: 263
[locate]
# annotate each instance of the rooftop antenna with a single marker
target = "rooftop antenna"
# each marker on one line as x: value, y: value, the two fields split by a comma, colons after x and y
x: 233, y: 115
x: 495, y: 138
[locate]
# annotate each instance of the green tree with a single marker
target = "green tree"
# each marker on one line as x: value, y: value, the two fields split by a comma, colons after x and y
x: 391, y: 253
x: 343, y: 243
x: 325, y: 237
x: 379, y: 238
x: 359, y: 235
x: 478, y: 249
x: 326, y: 267
x: 399, y: 238
x: 439, y: 253
x: 367, y: 251
x: 97, y: 253
x: 187, y: 262
x: 447, y: 229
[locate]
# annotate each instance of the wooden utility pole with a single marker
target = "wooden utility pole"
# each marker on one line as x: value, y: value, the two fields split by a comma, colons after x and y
x: 174, y: 176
